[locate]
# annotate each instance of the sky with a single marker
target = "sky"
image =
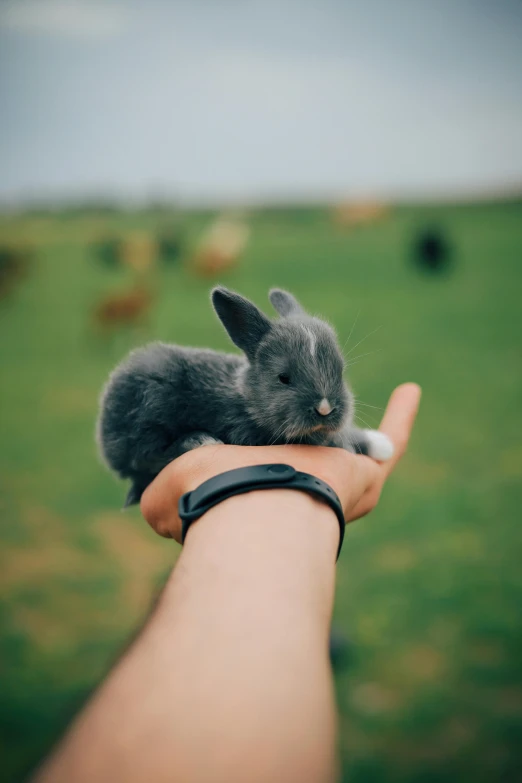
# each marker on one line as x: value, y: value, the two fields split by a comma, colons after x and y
x: 259, y: 100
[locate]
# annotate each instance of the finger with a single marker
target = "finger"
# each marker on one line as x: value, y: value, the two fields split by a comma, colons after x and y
x: 368, y: 501
x: 397, y: 423
x: 354, y: 478
x: 364, y: 476
x: 159, y: 502
x: 398, y: 420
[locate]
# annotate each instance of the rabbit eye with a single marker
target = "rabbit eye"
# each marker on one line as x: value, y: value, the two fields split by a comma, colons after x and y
x: 284, y: 378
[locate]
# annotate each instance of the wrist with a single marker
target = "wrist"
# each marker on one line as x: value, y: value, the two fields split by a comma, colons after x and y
x: 159, y: 503
x: 194, y: 504
x: 290, y: 521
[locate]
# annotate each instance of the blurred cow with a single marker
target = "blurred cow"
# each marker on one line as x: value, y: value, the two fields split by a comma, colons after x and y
x: 221, y: 247
x: 432, y: 251
x: 362, y: 213
x: 14, y: 267
x: 170, y: 246
x: 126, y: 309
x: 139, y: 251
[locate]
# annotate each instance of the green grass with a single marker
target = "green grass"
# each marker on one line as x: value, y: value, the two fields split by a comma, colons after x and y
x: 429, y: 587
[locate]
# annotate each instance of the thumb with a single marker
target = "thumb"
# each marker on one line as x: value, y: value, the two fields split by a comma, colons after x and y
x: 398, y: 420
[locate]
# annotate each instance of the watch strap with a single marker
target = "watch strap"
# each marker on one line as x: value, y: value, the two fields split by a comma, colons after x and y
x: 194, y: 504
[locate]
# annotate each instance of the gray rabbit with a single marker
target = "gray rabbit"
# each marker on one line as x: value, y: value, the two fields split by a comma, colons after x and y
x: 164, y: 400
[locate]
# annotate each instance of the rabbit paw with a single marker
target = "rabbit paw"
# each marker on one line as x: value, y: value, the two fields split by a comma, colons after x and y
x: 199, y: 439
x: 379, y: 445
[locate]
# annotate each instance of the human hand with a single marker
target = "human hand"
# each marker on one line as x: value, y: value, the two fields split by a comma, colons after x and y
x: 357, y: 480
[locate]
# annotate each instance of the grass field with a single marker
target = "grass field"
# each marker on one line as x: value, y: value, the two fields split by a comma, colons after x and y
x: 429, y: 587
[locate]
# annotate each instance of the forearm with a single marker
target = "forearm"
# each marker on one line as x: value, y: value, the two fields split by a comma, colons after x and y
x: 230, y: 680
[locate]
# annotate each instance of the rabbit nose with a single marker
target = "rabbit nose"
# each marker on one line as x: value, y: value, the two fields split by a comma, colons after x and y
x: 324, y: 407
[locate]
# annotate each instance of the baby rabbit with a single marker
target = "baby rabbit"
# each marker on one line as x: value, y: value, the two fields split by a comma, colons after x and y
x: 164, y: 400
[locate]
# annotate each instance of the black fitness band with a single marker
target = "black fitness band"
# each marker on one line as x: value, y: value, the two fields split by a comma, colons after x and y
x: 193, y: 504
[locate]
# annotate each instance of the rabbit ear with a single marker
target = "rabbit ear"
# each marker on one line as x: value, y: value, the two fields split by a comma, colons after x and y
x: 284, y: 303
x: 245, y: 324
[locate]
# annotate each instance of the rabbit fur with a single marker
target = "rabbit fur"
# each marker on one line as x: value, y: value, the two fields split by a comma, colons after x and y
x: 287, y: 387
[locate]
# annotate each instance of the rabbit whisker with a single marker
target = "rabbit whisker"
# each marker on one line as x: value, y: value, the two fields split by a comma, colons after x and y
x: 363, y: 339
x: 367, y: 405
x: 280, y: 432
x: 366, y: 413
x: 362, y: 355
x: 351, y: 330
x: 369, y: 426
x: 294, y: 432
x: 276, y: 435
